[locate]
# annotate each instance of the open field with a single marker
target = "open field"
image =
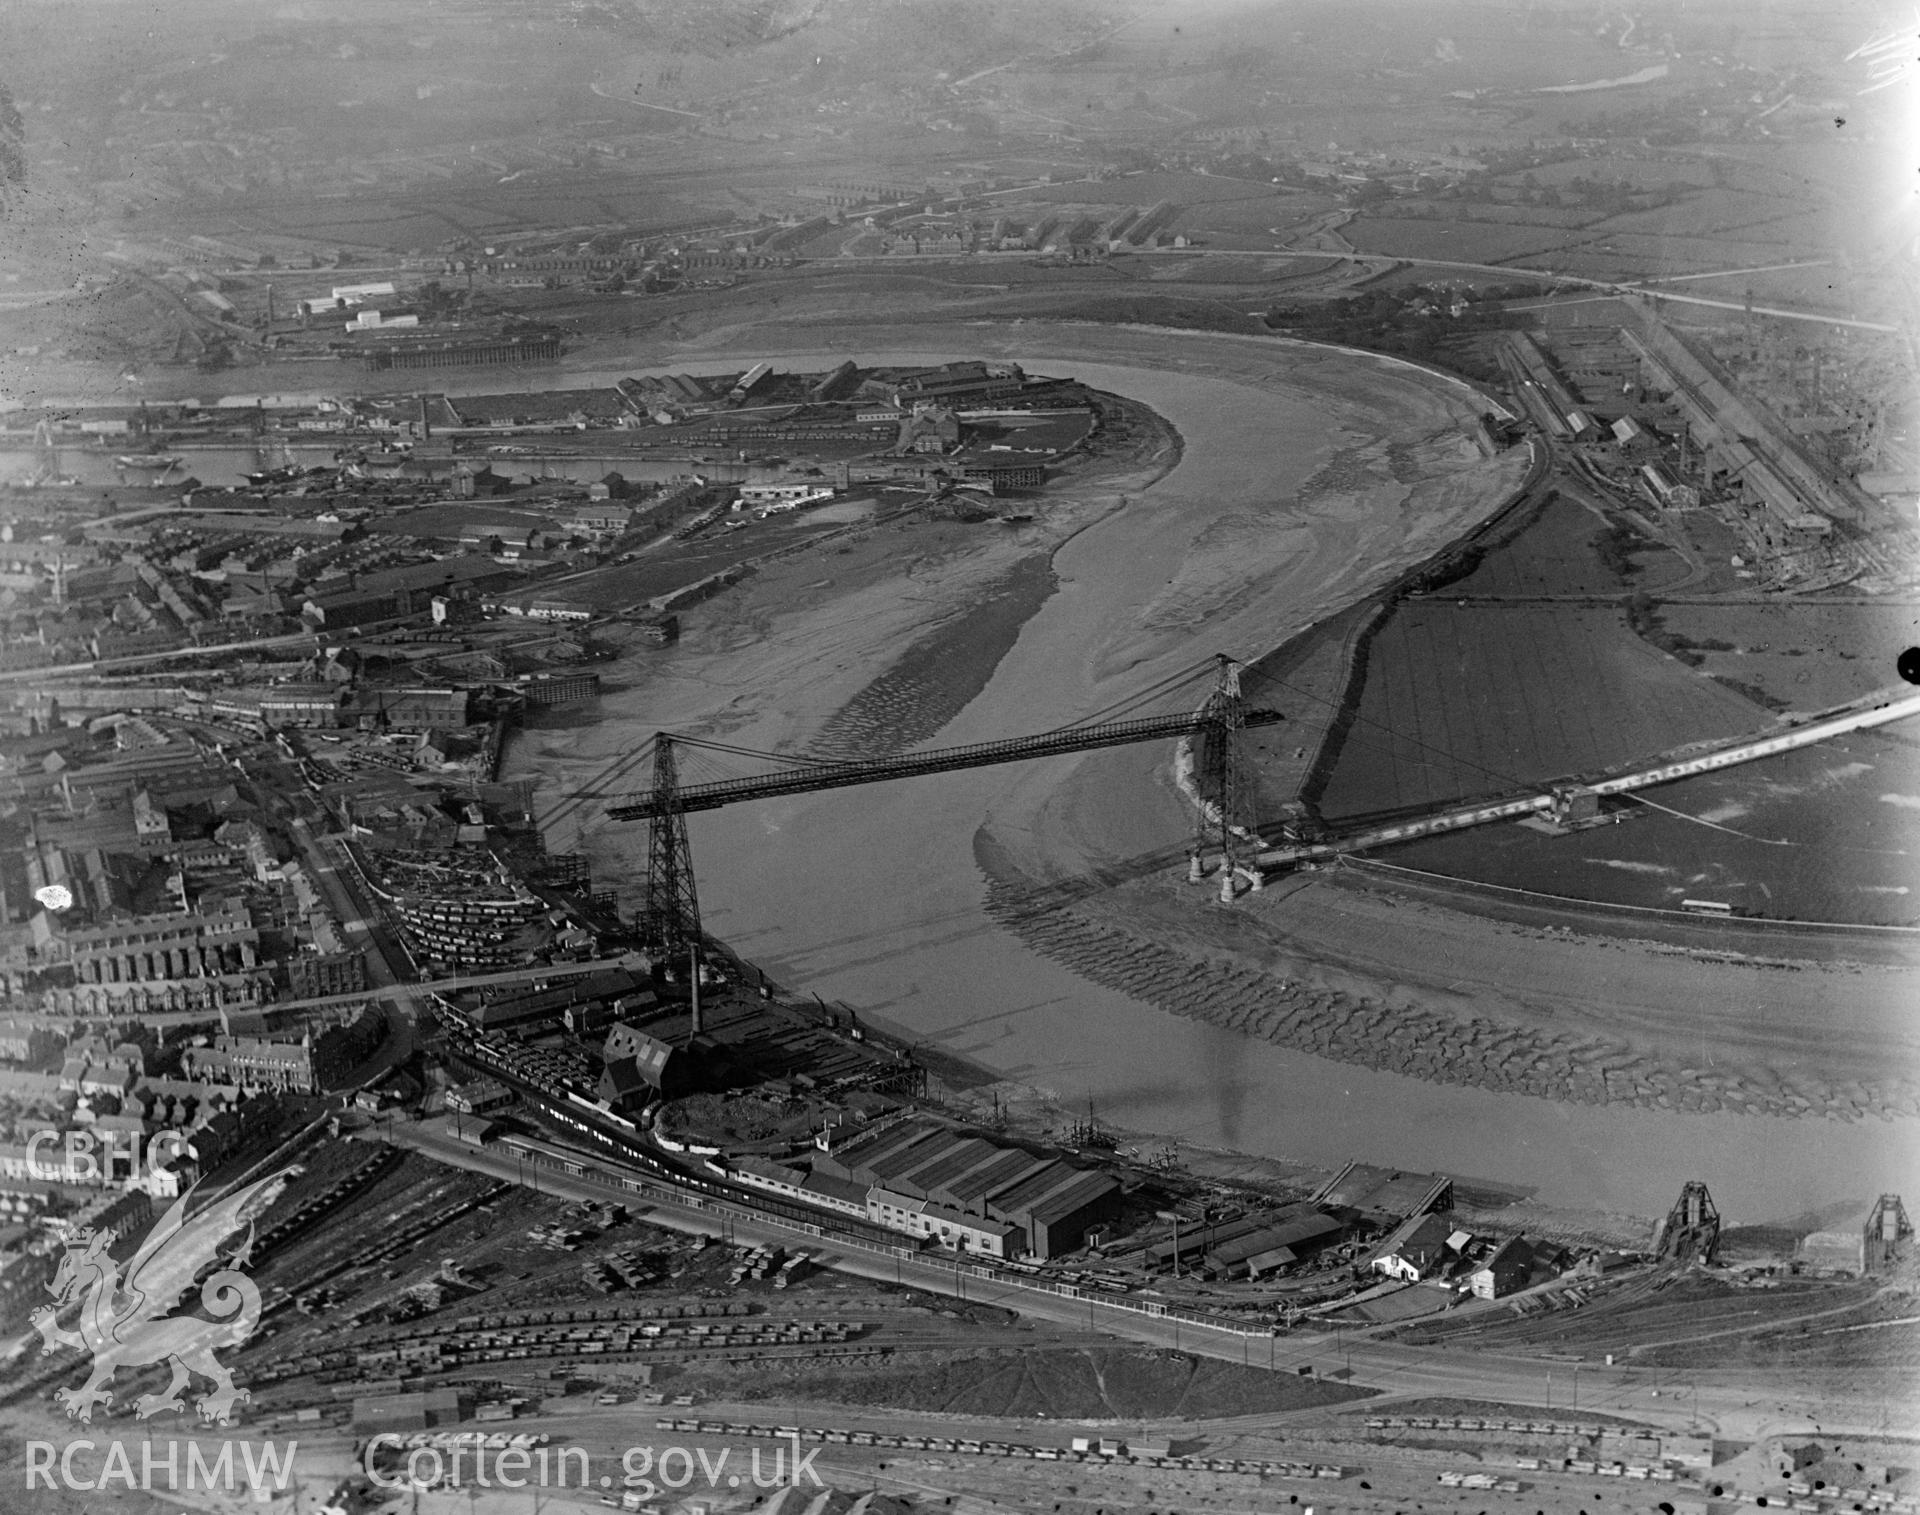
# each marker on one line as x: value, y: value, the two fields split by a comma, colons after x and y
x: 1804, y: 654
x: 1823, y: 834
x: 1485, y: 701
x: 1555, y: 554
x: 1033, y: 1381
x: 1467, y: 241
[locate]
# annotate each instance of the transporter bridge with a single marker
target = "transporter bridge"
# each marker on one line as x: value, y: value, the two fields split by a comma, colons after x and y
x: 1573, y: 803
x: 670, y: 920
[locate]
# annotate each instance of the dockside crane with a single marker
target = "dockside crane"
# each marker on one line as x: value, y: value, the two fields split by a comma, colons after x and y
x: 670, y: 918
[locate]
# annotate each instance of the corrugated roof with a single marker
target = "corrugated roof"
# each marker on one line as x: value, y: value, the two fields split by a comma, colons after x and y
x: 1288, y: 1234
x: 857, y: 1153
x: 892, y: 1167
x: 963, y: 1157
x: 1023, y: 1196
x: 1005, y: 1169
x: 1063, y: 1202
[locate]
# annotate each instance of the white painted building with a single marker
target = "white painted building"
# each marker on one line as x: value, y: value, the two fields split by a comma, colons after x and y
x: 951, y: 1228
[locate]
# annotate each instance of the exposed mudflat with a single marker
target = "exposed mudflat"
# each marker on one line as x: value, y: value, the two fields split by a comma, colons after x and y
x: 941, y: 672
x: 1515, y: 1022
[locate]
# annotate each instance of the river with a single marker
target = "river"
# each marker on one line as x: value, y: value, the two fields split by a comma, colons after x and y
x: 872, y: 896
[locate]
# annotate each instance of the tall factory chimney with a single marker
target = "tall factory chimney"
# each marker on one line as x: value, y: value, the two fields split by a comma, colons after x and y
x: 426, y: 425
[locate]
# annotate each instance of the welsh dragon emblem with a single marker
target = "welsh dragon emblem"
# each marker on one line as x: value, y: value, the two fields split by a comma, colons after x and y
x: 124, y: 1323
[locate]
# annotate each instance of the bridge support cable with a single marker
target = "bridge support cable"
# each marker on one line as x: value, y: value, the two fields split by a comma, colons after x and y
x: 670, y: 921
x: 644, y: 807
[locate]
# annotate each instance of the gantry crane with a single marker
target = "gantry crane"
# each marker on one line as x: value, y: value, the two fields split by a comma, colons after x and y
x: 670, y: 918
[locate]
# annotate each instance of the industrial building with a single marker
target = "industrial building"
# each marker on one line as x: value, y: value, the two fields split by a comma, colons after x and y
x: 1743, y: 446
x: 1508, y: 1269
x: 484, y: 352
x: 931, y: 1180
x: 1251, y: 1246
x: 1418, y: 1249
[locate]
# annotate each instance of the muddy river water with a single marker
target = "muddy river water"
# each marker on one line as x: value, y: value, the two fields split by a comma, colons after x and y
x: 872, y: 895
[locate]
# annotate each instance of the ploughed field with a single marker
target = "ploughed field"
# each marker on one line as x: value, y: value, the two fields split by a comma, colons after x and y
x: 1529, y: 669
x: 1459, y: 703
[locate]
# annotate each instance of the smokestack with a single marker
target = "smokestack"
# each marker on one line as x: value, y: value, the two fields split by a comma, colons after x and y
x: 426, y: 426
x: 693, y: 965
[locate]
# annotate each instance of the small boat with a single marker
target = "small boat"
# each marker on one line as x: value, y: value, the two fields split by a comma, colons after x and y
x: 155, y: 460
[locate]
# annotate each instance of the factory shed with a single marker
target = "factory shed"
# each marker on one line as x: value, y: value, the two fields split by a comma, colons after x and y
x: 1030, y: 1190
x: 1057, y: 1206
x: 1299, y: 1226
x: 840, y: 1193
x: 1283, y: 1246
x: 1059, y: 1223
x: 652, y: 1067
x: 837, y: 385
x: 941, y: 1168
x: 1203, y: 1238
x: 855, y: 1160
x: 1509, y: 1268
x: 1417, y: 1249
x: 970, y: 1191
x: 624, y: 1088
x: 406, y: 1412
x: 890, y: 1168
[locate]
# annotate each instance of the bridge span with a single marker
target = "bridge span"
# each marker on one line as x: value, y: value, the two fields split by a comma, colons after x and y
x: 1568, y: 799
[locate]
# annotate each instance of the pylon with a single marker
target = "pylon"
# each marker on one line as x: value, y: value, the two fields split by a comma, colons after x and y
x: 670, y: 922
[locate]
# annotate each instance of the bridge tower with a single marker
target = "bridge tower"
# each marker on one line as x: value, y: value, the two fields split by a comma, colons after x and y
x: 670, y: 917
x: 1222, y: 802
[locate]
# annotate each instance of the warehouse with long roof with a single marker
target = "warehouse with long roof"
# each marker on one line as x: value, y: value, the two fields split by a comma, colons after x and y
x: 1033, y: 1204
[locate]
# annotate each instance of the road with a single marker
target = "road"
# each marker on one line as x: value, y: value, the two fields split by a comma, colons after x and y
x: 1734, y: 1405
x: 141, y: 659
x: 1601, y: 289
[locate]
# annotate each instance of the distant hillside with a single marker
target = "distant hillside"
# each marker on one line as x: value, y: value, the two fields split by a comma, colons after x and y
x: 13, y: 145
